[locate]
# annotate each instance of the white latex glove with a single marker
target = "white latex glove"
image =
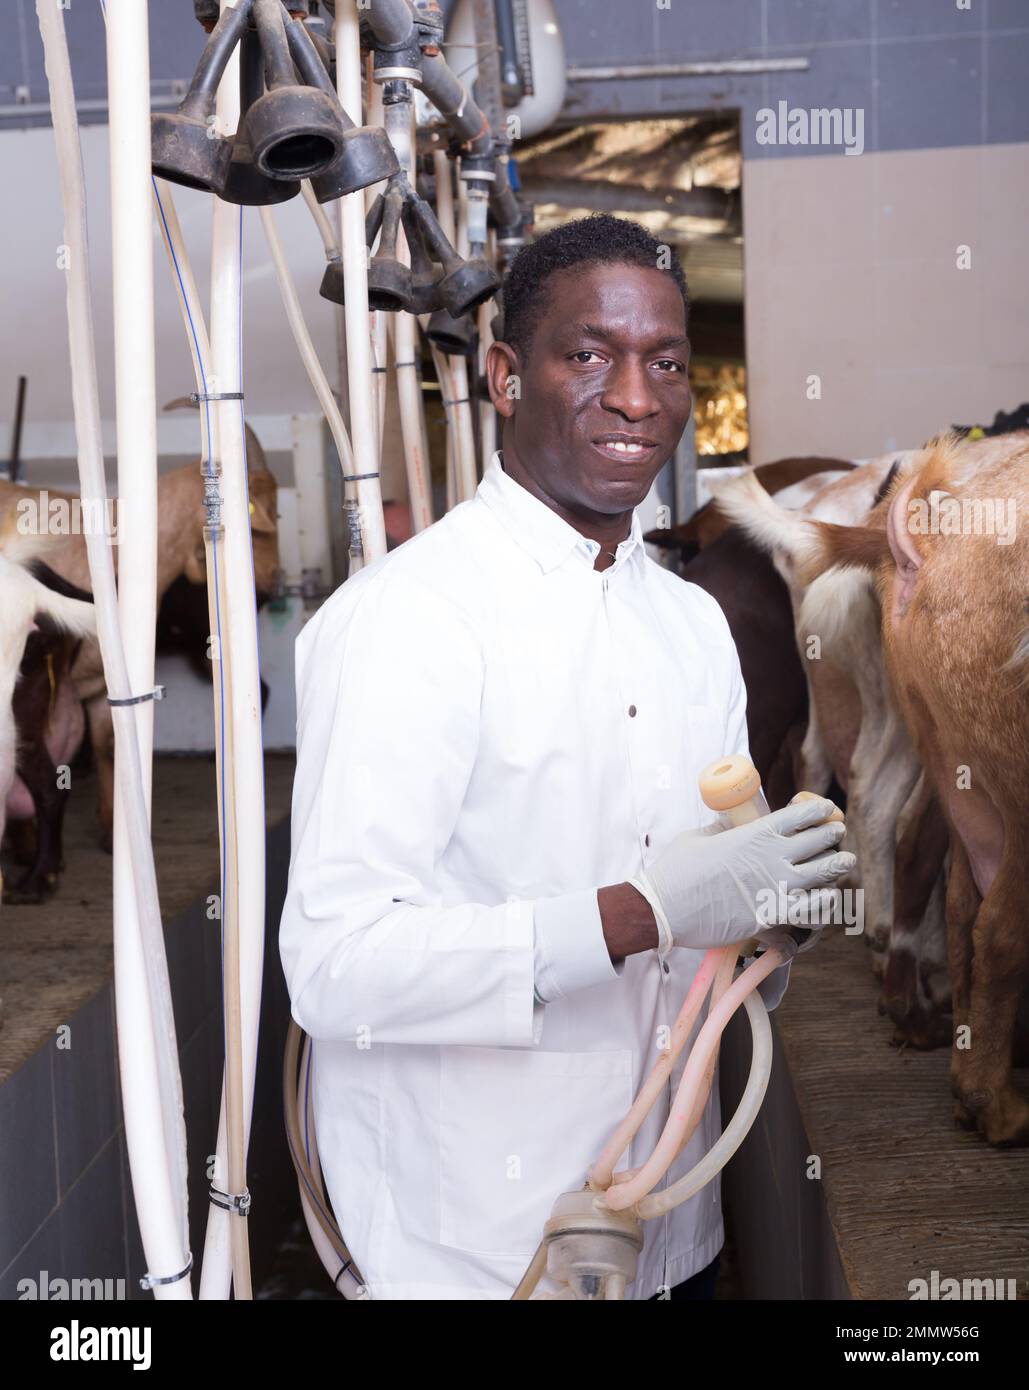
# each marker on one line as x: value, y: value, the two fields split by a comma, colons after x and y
x: 711, y: 889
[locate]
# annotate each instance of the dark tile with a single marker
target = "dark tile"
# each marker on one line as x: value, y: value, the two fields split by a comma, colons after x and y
x: 1007, y: 88
x: 1007, y: 14
x: 685, y: 33
x: 42, y: 1256
x: 839, y: 78
x: 19, y: 24
x: 187, y: 969
x: 92, y: 1220
x: 587, y: 33
x: 920, y: 18
x: 817, y: 21
x: 85, y: 1089
x: 929, y: 94
x: 28, y: 1162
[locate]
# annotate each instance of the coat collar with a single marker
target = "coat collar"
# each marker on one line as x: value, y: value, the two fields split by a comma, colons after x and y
x: 538, y: 529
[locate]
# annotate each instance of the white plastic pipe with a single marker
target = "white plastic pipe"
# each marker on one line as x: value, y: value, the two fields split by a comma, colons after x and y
x: 487, y: 410
x: 330, y: 240
x: 305, y: 347
x: 466, y: 478
x: 246, y: 862
x: 147, y: 1049
x: 364, y: 431
x: 405, y: 349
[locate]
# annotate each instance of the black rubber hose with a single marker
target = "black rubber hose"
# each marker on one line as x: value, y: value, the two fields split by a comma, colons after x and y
x: 217, y: 52
x: 309, y: 65
x: 279, y: 70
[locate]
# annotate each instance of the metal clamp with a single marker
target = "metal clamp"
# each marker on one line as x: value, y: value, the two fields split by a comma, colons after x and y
x: 359, y: 477
x: 156, y: 694
x: 151, y: 1281
x: 197, y: 396
x: 239, y: 1202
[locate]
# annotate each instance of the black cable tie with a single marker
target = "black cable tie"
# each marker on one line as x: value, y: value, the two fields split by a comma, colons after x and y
x: 150, y: 1281
x: 379, y: 369
x: 239, y: 1202
x: 463, y: 401
x: 156, y: 694
x: 359, y: 477
x: 412, y: 363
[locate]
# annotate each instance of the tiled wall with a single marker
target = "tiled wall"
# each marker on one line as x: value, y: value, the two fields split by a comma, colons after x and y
x: 66, y: 1198
x: 926, y: 73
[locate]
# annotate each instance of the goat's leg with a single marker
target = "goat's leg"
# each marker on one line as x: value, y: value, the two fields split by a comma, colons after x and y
x: 912, y: 983
x: 39, y: 774
x: 1000, y: 971
x: 962, y: 906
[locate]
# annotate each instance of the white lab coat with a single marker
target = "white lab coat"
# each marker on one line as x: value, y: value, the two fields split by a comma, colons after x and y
x: 488, y: 731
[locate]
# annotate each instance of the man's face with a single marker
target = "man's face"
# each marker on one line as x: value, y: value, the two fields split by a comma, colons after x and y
x: 603, y: 395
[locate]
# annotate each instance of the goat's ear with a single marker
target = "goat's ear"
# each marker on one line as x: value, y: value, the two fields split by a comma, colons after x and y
x: 196, y: 565
x: 260, y: 519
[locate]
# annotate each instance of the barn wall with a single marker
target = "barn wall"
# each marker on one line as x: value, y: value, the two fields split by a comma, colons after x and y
x: 851, y: 274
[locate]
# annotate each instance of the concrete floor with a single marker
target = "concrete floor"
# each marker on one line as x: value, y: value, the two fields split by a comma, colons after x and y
x: 55, y: 956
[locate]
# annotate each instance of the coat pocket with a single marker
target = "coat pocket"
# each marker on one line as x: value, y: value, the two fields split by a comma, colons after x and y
x: 517, y: 1128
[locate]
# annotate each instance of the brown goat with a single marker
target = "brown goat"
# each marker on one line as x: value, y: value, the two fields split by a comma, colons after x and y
x: 955, y: 633
x: 180, y: 551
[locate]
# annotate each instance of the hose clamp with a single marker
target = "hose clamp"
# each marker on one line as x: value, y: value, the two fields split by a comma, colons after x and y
x: 197, y: 396
x: 359, y: 477
x: 239, y: 1202
x: 151, y: 1281
x: 156, y: 694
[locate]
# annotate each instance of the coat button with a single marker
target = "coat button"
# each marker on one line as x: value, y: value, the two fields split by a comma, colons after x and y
x: 632, y: 711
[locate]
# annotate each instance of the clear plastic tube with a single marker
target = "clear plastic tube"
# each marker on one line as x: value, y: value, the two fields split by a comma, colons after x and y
x: 657, y: 1203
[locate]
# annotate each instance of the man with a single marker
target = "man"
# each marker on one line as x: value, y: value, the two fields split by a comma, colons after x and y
x: 500, y: 725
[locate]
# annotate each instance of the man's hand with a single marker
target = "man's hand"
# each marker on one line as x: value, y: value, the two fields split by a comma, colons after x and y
x: 715, y: 889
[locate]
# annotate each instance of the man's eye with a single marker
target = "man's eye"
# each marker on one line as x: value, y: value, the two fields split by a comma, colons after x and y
x: 584, y: 352
x: 667, y: 364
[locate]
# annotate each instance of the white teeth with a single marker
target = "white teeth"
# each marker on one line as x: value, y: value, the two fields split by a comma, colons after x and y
x: 623, y: 448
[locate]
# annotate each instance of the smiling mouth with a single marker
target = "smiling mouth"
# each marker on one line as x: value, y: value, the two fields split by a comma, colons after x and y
x: 626, y: 448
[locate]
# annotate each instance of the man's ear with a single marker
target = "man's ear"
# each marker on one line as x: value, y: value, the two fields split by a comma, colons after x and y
x: 502, y: 377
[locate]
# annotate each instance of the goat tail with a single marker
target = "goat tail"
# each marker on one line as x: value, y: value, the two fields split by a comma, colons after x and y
x: 861, y: 547
x: 747, y: 504
x: 73, y: 615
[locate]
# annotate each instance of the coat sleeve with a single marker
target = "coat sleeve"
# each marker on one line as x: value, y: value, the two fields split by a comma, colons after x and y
x: 389, y: 685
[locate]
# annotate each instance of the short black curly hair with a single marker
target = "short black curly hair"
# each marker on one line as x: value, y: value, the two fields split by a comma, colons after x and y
x: 574, y: 246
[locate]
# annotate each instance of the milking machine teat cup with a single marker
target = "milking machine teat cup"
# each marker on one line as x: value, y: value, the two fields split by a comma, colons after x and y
x: 592, y: 1239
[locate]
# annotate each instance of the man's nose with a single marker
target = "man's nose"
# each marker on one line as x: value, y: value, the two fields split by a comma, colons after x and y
x: 629, y: 392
